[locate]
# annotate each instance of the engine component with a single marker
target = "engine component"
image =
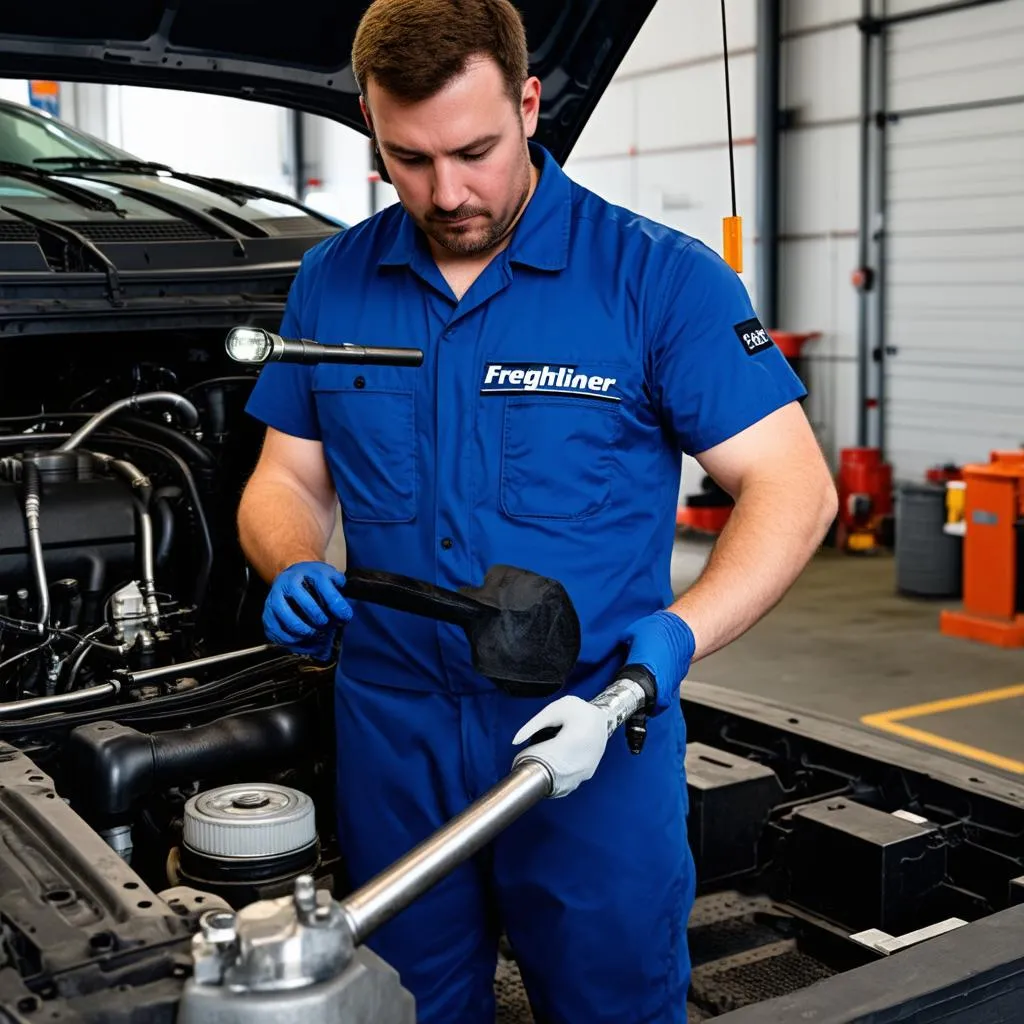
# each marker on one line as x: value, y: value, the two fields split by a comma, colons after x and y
x: 185, y: 409
x: 87, y: 529
x: 128, y: 613
x: 890, y: 864
x: 111, y: 766
x: 289, y: 961
x: 79, y: 926
x: 731, y: 799
x: 248, y: 841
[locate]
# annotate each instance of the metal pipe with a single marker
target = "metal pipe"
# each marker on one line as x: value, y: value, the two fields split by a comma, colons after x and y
x: 529, y: 782
x: 148, y: 570
x: 33, y: 486
x: 767, y: 157
x: 147, y: 674
x: 141, y: 483
x: 864, y: 224
x: 881, y: 226
x: 57, y: 701
x: 185, y: 409
x: 409, y: 877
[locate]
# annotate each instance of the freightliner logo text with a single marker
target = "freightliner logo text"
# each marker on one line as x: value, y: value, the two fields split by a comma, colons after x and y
x: 535, y: 378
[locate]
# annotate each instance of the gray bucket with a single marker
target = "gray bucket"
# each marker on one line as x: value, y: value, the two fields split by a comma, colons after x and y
x: 929, y: 562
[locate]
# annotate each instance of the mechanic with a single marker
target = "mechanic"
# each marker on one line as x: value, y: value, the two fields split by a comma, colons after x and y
x: 573, y: 351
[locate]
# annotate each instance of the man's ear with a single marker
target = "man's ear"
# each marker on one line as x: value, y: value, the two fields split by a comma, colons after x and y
x: 530, y: 105
x: 378, y: 160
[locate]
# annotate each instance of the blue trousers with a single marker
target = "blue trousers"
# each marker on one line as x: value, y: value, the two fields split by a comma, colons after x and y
x: 593, y: 889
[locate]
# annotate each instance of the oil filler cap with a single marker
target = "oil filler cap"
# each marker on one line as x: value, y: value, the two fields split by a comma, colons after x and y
x: 263, y: 820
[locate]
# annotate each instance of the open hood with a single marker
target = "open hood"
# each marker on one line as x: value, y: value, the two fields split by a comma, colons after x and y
x: 297, y: 54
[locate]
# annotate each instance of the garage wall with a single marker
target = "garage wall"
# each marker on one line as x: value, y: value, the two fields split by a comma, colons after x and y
x: 213, y: 135
x: 955, y: 238
x: 818, y: 220
x: 657, y: 141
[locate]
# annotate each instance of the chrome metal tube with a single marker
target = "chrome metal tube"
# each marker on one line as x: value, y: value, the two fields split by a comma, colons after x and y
x: 148, y: 571
x: 623, y: 699
x: 141, y: 483
x: 184, y: 407
x: 137, y: 678
x: 57, y: 701
x: 33, y: 485
x: 396, y: 887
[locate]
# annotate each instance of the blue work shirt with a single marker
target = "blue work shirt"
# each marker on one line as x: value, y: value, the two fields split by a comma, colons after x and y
x: 543, y: 430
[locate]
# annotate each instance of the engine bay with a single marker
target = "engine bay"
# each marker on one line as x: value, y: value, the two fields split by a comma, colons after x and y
x: 133, y: 670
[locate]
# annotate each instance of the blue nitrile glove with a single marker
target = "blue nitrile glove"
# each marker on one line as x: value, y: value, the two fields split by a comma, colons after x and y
x: 304, y: 608
x: 663, y: 643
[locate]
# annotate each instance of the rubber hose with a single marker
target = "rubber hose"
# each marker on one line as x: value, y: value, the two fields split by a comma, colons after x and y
x: 113, y: 765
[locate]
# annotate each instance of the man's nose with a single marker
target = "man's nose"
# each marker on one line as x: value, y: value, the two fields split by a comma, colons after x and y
x: 450, y: 191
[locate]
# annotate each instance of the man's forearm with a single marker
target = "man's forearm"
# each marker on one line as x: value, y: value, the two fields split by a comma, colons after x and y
x: 771, y: 534
x: 278, y: 526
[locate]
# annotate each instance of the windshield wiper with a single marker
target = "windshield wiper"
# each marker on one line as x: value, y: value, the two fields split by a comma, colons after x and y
x: 69, y: 235
x: 46, y: 180
x: 98, y: 163
x: 234, y: 191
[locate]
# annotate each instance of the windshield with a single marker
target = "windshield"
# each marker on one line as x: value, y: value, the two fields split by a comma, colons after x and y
x: 27, y: 136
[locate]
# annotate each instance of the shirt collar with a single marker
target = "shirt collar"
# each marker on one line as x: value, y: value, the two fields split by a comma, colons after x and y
x: 540, y: 239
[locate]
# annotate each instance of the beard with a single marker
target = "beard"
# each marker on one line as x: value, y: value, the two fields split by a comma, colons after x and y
x: 474, y: 239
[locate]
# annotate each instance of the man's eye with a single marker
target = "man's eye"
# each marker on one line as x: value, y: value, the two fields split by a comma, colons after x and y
x: 475, y: 156
x: 409, y: 161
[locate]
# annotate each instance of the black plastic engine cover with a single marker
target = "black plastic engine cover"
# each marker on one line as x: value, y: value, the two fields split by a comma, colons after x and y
x: 87, y: 529
x: 861, y: 867
x: 730, y: 801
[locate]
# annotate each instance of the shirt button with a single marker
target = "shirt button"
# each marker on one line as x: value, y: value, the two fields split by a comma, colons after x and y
x: 447, y: 543
x: 360, y: 382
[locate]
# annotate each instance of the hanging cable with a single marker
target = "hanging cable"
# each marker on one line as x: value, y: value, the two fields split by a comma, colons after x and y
x: 732, y: 227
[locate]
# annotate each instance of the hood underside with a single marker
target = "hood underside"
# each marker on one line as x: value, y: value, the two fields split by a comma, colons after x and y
x: 297, y: 56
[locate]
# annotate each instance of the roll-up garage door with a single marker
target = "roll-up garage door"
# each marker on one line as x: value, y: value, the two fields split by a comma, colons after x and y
x: 954, y: 270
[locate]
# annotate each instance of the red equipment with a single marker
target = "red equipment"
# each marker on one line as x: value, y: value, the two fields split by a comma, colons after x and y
x: 864, y: 483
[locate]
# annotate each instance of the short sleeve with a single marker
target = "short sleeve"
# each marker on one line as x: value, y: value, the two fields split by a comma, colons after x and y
x: 282, y: 397
x: 713, y: 368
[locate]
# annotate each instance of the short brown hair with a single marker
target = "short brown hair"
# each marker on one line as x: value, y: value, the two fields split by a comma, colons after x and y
x: 414, y: 48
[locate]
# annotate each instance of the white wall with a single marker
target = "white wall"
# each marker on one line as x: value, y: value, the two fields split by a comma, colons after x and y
x: 212, y: 135
x: 820, y: 172
x: 14, y: 89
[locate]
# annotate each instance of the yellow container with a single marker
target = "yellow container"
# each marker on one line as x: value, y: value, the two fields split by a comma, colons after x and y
x: 956, y: 498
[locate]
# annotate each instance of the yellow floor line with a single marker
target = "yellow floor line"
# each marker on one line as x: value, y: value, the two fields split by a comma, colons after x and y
x: 892, y: 721
x: 968, y: 700
x: 930, y: 739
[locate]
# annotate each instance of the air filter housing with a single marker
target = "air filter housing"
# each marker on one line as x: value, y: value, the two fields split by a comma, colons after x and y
x: 246, y: 842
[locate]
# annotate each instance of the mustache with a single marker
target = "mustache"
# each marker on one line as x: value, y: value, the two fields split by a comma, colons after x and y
x: 461, y: 213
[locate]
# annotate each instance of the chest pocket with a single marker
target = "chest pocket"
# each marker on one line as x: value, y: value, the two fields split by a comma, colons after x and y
x: 369, y: 438
x: 558, y: 456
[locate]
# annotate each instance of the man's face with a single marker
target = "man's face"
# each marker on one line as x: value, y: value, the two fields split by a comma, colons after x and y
x: 459, y: 160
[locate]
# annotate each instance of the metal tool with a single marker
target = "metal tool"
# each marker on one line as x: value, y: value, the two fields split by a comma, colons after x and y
x: 300, y: 959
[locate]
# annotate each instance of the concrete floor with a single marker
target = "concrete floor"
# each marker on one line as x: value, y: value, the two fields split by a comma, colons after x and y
x: 844, y: 643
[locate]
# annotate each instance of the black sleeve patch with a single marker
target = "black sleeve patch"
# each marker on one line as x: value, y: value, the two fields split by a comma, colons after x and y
x: 753, y: 336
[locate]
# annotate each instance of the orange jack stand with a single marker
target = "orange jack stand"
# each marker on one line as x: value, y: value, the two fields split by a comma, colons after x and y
x: 994, y: 505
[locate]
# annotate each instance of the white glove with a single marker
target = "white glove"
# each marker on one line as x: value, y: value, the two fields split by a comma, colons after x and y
x: 573, y: 755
